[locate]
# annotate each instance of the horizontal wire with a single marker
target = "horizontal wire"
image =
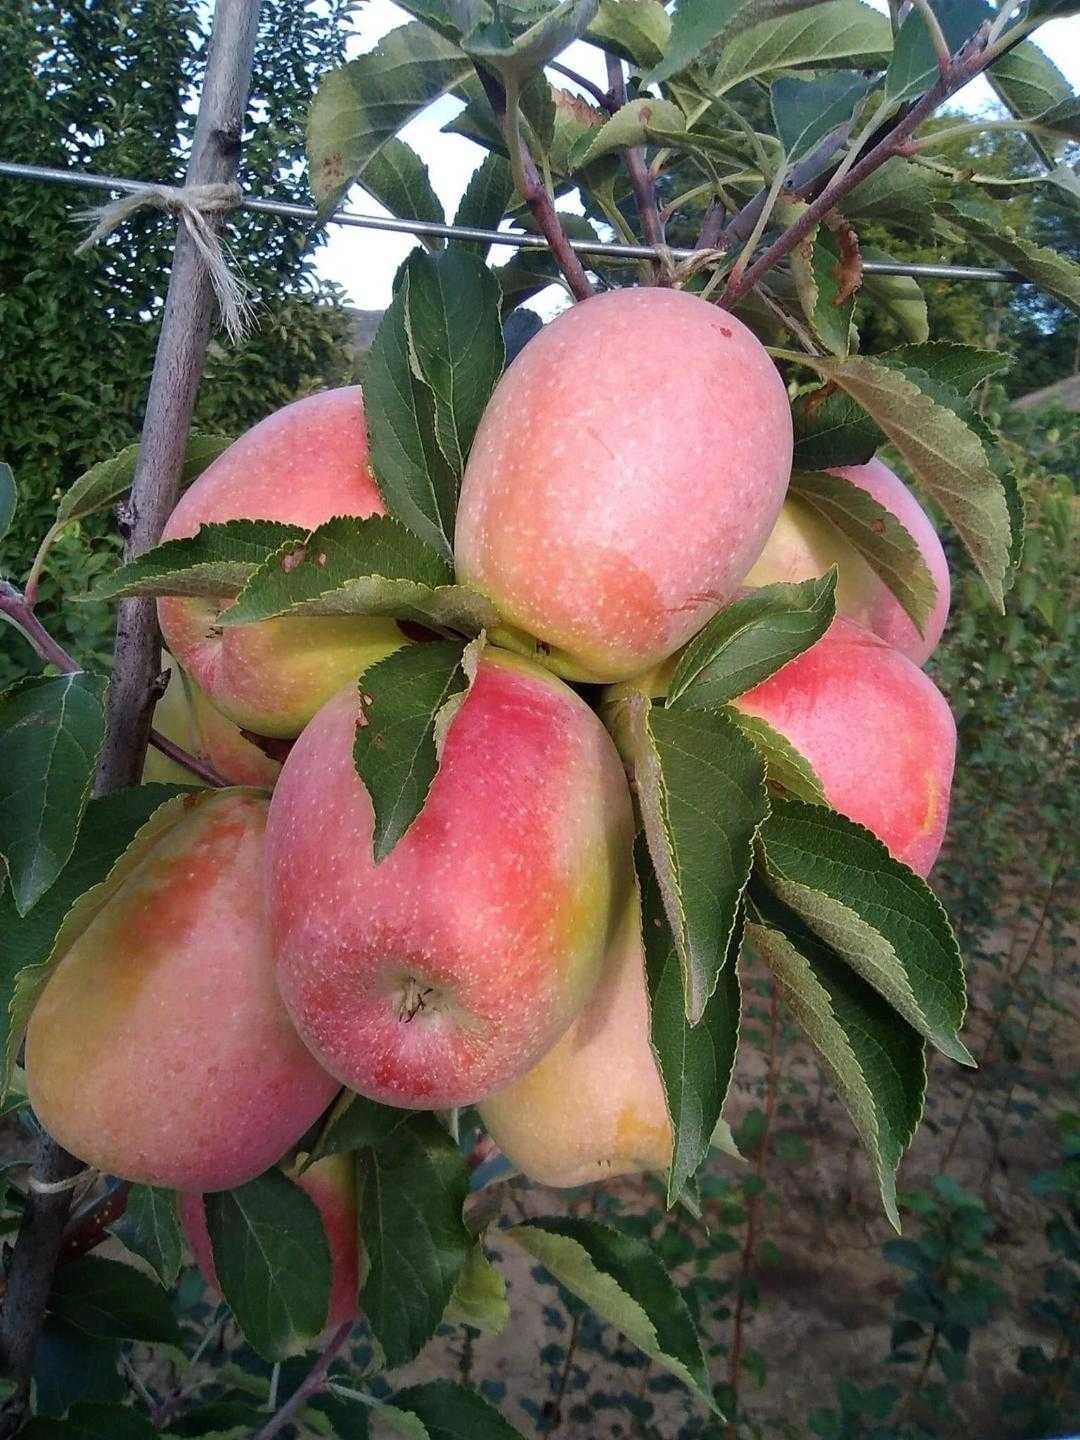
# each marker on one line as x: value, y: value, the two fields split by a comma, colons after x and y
x: 517, y: 239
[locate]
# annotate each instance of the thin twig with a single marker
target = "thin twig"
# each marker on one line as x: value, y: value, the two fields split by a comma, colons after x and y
x: 972, y: 59
x: 532, y: 188
x: 314, y: 1382
x: 602, y: 98
x: 641, y: 182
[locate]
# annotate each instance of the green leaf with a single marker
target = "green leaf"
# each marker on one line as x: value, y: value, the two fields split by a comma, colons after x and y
x: 150, y: 1229
x: 876, y: 1060
x: 883, y: 542
x: 695, y: 24
x: 354, y: 1122
x: 1028, y: 82
x: 695, y: 1062
x: 450, y: 1412
x: 455, y: 342
x: 806, y: 109
x: 901, y: 192
x: 635, y: 30
x: 516, y: 56
x: 217, y: 561
x: 486, y: 200
x: 398, y: 179
x: 479, y: 1297
x: 113, y: 1301
x: 71, y: 1367
x: 880, y: 916
x: 87, y: 1420
x: 897, y: 295
x: 415, y: 1238
x: 1049, y: 9
x: 405, y: 700
x: 30, y: 946
x: 51, y: 732
x: 623, y: 1280
x: 272, y: 1262
x: 751, y: 639
x: 220, y: 1420
x: 415, y: 480
x: 361, y: 105
x: 817, y: 267
x: 914, y: 64
x: 836, y: 30
x: 111, y: 479
x: 350, y: 566
x: 960, y: 367
x: 945, y: 453
x: 1054, y: 273
x: 701, y: 790
x: 630, y: 126
x: 832, y: 429
x: 784, y: 765
x: 9, y: 498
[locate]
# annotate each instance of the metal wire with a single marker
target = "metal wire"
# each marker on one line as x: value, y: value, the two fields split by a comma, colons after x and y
x: 517, y: 239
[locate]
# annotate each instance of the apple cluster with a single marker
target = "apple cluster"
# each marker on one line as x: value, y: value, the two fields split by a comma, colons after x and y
x: 629, y: 479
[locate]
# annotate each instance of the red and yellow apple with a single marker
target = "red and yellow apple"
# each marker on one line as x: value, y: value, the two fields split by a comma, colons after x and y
x: 331, y: 1184
x: 449, y: 968
x: 304, y: 464
x: 877, y: 731
x: 160, y: 1050
x: 804, y: 544
x: 594, y: 1106
x: 185, y: 716
x: 625, y: 475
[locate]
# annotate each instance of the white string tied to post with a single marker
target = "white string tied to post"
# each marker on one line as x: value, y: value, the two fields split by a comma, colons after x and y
x: 191, y: 205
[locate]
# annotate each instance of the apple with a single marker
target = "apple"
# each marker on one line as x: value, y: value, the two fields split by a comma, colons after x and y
x: 159, y: 1049
x: 877, y: 731
x: 804, y: 544
x: 625, y: 476
x: 304, y: 464
x: 594, y: 1106
x: 331, y: 1184
x: 449, y: 968
x: 185, y: 716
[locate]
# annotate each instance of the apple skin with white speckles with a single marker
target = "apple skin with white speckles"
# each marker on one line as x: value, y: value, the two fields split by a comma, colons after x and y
x: 804, y: 544
x: 331, y: 1184
x: 625, y: 475
x: 185, y: 716
x: 877, y: 731
x: 594, y: 1106
x: 304, y: 464
x: 449, y: 968
x: 160, y: 1050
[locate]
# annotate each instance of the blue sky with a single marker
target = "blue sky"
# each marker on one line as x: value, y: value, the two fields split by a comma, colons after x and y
x: 364, y: 262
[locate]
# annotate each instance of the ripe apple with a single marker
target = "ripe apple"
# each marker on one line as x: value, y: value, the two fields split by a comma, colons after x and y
x: 626, y: 474
x: 160, y: 1050
x: 304, y: 464
x: 878, y: 732
x: 185, y: 715
x: 594, y: 1106
x: 448, y: 969
x: 805, y: 544
x: 331, y: 1184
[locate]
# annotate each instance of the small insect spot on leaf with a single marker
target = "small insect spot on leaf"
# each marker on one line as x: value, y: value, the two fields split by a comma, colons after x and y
x: 293, y: 558
x: 320, y: 559
x: 878, y: 527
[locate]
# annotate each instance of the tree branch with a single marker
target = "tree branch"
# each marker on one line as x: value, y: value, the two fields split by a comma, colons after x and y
x: 314, y: 1381
x: 178, y: 365
x: 533, y: 190
x: 969, y: 62
x: 641, y: 183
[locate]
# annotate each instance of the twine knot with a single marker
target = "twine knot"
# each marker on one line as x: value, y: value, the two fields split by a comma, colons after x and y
x: 191, y: 204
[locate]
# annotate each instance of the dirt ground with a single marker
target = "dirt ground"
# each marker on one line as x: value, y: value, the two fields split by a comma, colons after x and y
x: 826, y: 1301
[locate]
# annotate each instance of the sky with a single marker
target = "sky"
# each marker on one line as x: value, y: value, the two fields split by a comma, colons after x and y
x: 364, y: 262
